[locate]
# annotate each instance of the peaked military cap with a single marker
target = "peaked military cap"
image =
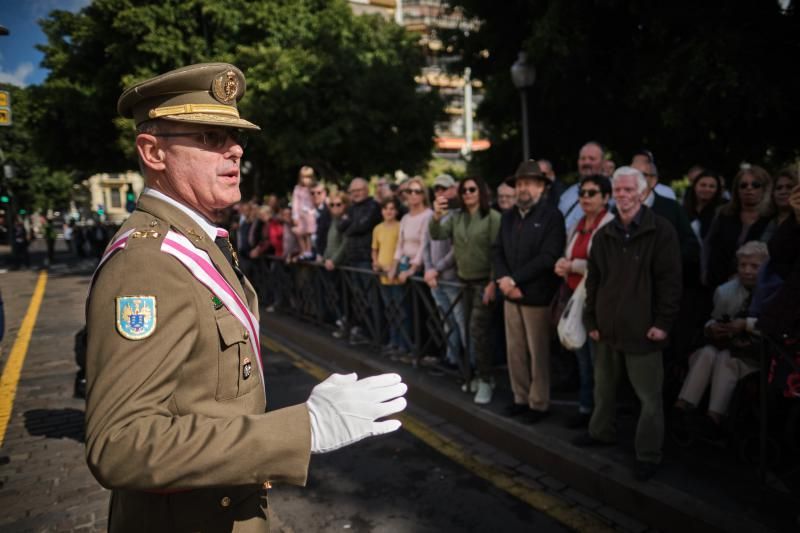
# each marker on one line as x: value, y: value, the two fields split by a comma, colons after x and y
x: 205, y: 93
x: 528, y: 169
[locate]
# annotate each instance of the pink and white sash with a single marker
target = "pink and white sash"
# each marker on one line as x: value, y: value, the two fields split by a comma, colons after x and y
x: 199, y: 264
x: 114, y: 246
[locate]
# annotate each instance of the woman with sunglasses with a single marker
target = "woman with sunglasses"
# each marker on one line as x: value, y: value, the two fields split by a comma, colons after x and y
x: 473, y: 229
x: 594, y: 193
x: 745, y: 218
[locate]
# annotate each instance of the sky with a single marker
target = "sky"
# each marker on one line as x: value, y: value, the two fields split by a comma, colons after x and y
x: 19, y: 59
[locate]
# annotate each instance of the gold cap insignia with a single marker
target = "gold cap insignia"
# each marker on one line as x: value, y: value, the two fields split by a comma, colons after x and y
x: 225, y: 87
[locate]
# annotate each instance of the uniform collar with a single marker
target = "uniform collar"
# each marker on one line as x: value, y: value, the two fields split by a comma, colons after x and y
x: 209, y: 228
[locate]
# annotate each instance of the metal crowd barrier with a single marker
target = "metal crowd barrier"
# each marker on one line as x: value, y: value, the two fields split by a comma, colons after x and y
x: 309, y: 291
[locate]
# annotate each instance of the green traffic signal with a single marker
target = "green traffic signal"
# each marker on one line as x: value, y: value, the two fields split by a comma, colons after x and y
x: 4, y: 199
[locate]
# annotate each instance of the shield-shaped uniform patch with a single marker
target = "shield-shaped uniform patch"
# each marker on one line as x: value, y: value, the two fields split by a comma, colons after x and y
x: 136, y: 316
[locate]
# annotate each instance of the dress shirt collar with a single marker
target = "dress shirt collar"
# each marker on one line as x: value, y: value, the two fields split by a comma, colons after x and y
x: 208, y: 227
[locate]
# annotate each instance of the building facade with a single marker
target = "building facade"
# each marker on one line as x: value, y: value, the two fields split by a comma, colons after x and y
x: 108, y: 193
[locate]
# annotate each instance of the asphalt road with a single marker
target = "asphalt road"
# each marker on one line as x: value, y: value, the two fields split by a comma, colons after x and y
x: 392, y: 483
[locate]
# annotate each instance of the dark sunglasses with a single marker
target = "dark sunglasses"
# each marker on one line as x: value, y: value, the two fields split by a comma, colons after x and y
x: 416, y: 191
x: 784, y: 187
x: 317, y: 193
x: 214, y: 139
x: 588, y: 193
x: 471, y: 190
x: 750, y: 185
x: 336, y: 204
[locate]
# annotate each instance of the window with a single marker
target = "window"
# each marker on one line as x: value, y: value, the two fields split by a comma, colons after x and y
x: 116, y: 197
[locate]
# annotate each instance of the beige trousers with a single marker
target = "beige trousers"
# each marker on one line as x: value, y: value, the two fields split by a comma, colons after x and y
x: 528, y: 331
x: 717, y: 367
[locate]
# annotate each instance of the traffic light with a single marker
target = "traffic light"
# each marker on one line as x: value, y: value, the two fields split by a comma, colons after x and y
x: 4, y: 199
x: 130, y: 201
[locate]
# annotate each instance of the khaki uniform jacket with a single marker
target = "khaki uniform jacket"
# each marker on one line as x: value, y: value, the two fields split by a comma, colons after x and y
x: 173, y: 427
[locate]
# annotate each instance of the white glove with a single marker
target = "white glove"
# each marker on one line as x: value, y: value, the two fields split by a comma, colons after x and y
x: 344, y: 409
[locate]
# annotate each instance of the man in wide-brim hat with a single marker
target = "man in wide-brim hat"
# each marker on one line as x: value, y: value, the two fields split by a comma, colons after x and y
x: 530, y: 241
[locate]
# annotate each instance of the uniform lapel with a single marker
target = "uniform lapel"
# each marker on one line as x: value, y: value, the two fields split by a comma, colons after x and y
x: 181, y: 222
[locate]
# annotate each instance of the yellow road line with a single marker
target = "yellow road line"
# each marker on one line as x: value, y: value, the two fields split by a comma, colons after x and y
x: 542, y: 501
x: 13, y: 368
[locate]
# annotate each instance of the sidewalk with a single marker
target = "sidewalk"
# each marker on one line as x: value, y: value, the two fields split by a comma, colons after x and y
x: 701, y: 489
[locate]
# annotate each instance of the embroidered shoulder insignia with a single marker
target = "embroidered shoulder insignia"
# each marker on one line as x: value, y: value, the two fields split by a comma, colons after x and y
x: 136, y: 316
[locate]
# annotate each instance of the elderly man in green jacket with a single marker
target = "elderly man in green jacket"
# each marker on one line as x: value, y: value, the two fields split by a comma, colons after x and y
x: 633, y: 292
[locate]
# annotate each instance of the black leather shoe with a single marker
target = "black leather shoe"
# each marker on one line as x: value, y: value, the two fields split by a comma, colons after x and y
x: 516, y: 409
x: 578, y: 421
x: 643, y: 470
x: 584, y: 440
x: 535, y: 416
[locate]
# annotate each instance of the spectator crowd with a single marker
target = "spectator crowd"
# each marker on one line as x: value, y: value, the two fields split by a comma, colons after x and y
x: 674, y: 295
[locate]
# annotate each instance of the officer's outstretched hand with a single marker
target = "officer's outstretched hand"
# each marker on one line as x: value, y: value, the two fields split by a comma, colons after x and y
x: 344, y: 409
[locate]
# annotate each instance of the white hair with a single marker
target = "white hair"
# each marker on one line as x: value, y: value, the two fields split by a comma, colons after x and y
x: 630, y: 171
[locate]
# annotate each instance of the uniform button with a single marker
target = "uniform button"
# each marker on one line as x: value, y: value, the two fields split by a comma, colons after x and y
x: 153, y: 223
x: 225, y: 501
x: 246, y: 335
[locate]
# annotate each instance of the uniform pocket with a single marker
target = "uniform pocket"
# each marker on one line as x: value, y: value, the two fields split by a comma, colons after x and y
x: 237, y: 366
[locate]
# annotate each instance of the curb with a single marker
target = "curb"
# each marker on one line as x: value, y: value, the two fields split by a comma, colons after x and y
x: 660, y: 506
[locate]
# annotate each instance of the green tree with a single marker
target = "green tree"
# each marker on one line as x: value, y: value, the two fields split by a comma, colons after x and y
x: 329, y: 88
x: 696, y: 82
x: 34, y: 184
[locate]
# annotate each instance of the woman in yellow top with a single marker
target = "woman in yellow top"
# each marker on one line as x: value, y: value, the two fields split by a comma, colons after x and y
x: 384, y: 243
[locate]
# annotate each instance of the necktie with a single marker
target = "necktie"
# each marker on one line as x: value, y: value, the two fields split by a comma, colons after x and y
x: 224, y: 245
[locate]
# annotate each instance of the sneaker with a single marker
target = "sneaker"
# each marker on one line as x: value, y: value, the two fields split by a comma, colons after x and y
x: 339, y: 333
x: 644, y: 470
x: 578, y: 421
x: 357, y: 338
x: 472, y: 386
x: 430, y: 360
x: 484, y: 393
x: 402, y: 357
x: 585, y: 440
x: 534, y: 416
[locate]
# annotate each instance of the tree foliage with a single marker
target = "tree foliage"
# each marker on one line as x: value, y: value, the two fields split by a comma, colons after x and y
x: 328, y: 87
x: 696, y: 82
x: 34, y: 185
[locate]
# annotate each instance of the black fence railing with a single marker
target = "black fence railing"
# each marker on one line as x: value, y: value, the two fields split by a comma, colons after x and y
x: 348, y: 298
x: 352, y: 297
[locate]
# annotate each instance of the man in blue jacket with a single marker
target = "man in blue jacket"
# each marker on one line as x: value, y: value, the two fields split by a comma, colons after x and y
x: 530, y: 241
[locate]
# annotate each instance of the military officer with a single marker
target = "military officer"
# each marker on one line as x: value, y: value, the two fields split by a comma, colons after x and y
x: 175, y: 416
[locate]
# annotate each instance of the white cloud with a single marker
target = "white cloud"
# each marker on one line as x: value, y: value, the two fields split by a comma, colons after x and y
x: 18, y: 77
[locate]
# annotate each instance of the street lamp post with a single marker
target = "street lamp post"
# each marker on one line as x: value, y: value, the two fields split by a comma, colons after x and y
x: 523, y: 74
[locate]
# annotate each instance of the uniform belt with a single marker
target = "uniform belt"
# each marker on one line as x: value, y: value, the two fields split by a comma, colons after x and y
x: 266, y: 486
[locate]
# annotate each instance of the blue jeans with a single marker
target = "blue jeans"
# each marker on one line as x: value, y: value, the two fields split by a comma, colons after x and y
x: 400, y: 326
x: 444, y: 296
x: 585, y: 356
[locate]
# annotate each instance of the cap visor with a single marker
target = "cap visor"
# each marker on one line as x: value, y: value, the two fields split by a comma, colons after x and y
x: 225, y: 121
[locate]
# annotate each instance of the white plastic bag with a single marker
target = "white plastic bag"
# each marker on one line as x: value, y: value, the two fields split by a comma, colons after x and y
x: 571, y: 331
